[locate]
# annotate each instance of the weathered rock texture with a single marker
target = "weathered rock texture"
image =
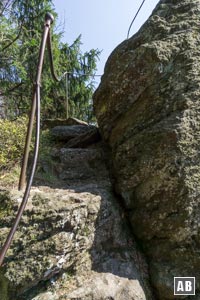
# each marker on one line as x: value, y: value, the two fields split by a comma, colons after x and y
x: 66, y: 133
x: 85, y: 139
x: 147, y: 107
x: 73, y: 241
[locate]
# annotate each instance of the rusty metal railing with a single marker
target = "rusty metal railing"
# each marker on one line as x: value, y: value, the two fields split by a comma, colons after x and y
x: 46, y: 39
x: 35, y: 114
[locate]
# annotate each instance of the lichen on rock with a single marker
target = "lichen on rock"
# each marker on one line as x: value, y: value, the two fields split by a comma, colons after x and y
x: 73, y: 241
x: 147, y: 107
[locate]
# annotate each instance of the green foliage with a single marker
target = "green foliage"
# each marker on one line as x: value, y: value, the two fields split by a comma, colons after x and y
x: 46, y: 142
x: 81, y: 68
x: 46, y: 164
x: 21, y: 30
x: 4, y: 287
x: 12, y: 142
x: 5, y: 204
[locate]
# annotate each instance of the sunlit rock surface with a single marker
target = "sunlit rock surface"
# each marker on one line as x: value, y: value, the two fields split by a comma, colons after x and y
x: 148, y: 111
x: 73, y: 241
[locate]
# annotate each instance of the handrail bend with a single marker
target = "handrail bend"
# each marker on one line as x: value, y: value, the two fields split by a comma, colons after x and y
x: 35, y: 112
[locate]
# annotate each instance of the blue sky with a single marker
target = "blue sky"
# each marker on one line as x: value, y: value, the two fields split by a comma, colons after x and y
x: 103, y: 24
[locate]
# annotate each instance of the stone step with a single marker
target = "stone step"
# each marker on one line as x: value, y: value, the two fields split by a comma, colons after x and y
x: 66, y: 133
x: 79, y: 164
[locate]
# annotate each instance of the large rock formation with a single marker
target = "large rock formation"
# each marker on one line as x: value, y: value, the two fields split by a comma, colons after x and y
x: 73, y: 241
x: 147, y: 107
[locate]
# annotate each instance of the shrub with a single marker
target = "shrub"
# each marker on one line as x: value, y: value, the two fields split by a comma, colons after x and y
x: 12, y: 140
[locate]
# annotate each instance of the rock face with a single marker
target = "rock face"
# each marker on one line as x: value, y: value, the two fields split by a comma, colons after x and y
x: 76, y: 136
x: 85, y: 139
x: 73, y: 241
x: 66, y: 133
x: 147, y: 107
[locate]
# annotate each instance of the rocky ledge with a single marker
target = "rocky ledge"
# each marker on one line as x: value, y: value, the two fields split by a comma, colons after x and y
x: 73, y: 241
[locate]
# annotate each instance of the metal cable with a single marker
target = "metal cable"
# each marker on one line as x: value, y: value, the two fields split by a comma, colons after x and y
x: 35, y: 111
x: 48, y: 21
x: 30, y: 180
x: 49, y: 47
x: 52, y: 68
x: 135, y: 18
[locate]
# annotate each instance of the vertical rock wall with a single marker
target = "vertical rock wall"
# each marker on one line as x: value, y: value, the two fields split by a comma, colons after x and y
x: 148, y: 110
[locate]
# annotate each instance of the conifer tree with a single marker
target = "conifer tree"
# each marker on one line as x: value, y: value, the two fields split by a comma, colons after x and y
x: 21, y: 25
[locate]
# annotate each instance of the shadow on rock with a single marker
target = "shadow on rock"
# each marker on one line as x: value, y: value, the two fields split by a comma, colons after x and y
x: 73, y: 240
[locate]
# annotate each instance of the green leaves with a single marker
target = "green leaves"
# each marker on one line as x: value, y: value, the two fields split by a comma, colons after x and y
x: 20, y: 37
x: 12, y: 139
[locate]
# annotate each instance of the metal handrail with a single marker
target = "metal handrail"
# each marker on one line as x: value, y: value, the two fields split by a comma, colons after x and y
x: 35, y: 112
x: 47, y: 40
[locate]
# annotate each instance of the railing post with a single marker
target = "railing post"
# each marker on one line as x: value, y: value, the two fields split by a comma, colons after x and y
x: 48, y: 20
x: 67, y: 95
x: 35, y: 109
